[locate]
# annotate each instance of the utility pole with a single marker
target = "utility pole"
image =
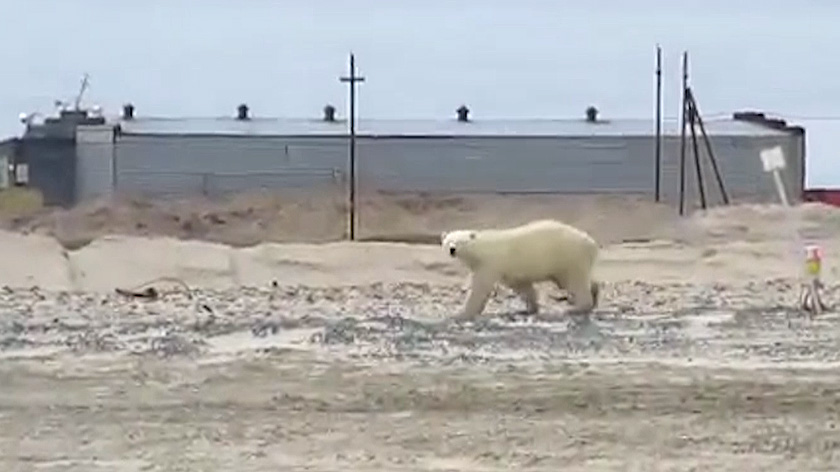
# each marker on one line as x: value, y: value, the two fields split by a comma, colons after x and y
x: 683, y: 124
x: 351, y: 81
x: 657, y: 173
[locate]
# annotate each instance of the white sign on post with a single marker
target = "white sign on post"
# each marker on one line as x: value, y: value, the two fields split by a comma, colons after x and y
x: 773, y: 160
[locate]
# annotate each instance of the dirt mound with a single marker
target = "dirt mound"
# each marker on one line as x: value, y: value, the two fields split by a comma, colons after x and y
x: 307, y: 216
x: 242, y: 220
x: 767, y: 222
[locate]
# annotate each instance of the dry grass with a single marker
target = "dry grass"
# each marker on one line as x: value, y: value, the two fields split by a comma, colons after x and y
x: 16, y: 202
x: 248, y: 219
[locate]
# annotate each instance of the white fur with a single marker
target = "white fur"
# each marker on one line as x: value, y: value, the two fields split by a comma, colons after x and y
x: 543, y: 250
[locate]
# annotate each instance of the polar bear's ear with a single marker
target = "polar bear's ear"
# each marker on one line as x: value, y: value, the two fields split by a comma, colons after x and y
x: 442, y: 236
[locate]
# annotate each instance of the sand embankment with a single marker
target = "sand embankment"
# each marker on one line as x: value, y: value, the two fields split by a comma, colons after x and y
x: 738, y: 243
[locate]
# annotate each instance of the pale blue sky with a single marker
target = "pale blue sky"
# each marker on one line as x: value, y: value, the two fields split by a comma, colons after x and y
x: 525, y: 58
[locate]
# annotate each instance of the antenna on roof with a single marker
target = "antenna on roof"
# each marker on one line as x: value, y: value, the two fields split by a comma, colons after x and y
x: 82, y: 89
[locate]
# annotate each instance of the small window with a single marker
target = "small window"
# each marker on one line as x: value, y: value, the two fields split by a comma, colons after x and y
x: 4, y: 172
x: 21, y: 174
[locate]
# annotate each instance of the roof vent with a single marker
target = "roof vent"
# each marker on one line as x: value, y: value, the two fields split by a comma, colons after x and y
x: 591, y: 114
x: 748, y: 116
x: 242, y: 112
x: 329, y: 113
x: 463, y: 113
x: 128, y: 111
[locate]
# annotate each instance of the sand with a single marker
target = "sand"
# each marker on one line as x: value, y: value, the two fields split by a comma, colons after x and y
x: 292, y: 355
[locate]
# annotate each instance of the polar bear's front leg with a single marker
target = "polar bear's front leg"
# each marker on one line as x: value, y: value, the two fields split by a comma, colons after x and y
x: 480, y: 290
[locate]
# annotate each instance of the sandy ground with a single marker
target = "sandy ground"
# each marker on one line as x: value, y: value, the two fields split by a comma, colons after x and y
x: 338, y: 356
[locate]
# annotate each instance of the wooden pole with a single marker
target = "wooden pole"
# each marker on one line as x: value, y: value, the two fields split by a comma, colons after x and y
x: 709, y: 150
x: 682, y: 132
x: 351, y: 81
x: 657, y: 173
x: 697, y: 167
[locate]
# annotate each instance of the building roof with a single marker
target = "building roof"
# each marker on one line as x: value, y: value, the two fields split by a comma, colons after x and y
x: 431, y: 128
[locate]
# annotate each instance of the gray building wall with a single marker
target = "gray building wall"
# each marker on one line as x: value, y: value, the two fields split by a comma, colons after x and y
x: 479, y: 164
x: 48, y: 152
x: 163, y: 165
x: 182, y: 165
x: 574, y: 165
x: 51, y: 164
x: 95, y: 149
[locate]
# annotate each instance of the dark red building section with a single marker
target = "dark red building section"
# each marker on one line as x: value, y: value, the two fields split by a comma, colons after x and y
x: 830, y: 196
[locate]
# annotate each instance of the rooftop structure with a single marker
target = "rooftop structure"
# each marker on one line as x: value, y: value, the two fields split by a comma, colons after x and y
x: 435, y: 128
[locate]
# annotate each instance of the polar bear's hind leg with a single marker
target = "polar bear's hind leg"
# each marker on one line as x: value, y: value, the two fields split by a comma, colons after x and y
x: 583, y: 298
x: 528, y: 294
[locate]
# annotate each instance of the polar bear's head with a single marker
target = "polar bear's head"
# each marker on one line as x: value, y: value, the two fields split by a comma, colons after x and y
x: 454, y: 240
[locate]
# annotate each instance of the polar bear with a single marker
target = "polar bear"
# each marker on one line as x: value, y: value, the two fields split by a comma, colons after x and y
x: 518, y: 257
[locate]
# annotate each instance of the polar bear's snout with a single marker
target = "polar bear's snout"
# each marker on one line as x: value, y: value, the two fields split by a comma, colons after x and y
x: 453, y: 239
